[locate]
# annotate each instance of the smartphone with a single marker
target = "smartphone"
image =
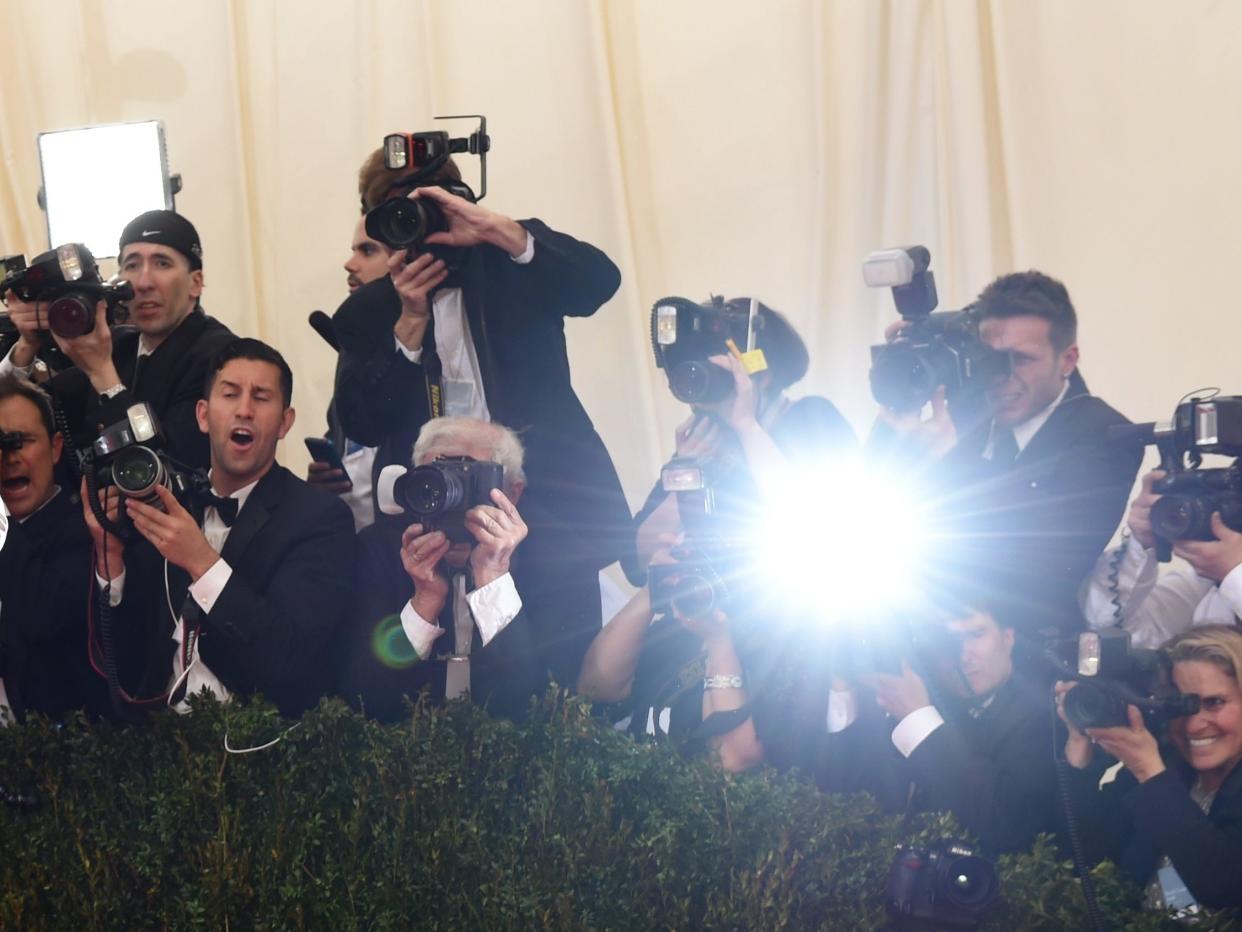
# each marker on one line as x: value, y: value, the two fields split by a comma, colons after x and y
x: 322, y: 450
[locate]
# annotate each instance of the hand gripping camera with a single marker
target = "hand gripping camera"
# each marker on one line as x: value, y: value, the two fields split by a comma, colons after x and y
x: 129, y: 455
x: 402, y: 223
x: 67, y: 279
x: 1190, y: 494
x: 947, y: 884
x: 440, y: 493
x: 684, y: 334
x: 933, y: 349
x: 1112, y: 675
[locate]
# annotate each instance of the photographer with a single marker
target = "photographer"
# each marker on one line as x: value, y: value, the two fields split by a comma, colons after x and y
x: 368, y: 260
x: 1128, y: 588
x: 1172, y: 819
x: 47, y: 578
x: 451, y: 617
x: 486, y: 340
x: 263, y: 585
x: 748, y: 440
x: 162, y: 362
x: 1033, y: 481
x: 968, y: 735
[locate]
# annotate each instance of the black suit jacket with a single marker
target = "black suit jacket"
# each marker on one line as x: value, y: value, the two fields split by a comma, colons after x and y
x: 1134, y: 824
x: 381, y: 672
x: 43, y: 614
x: 516, y: 316
x: 171, y: 382
x: 1035, y: 529
x: 277, y: 624
x: 994, y: 772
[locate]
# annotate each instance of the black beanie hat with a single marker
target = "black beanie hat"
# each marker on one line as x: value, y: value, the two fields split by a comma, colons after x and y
x: 168, y: 229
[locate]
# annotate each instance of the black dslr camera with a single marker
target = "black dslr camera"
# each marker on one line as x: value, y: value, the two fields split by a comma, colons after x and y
x: 440, y: 493
x: 1189, y: 493
x: 402, y: 223
x: 948, y: 884
x: 933, y: 349
x: 1112, y: 674
x: 684, y: 334
x: 698, y: 583
x: 129, y: 455
x: 68, y: 280
x: 11, y: 441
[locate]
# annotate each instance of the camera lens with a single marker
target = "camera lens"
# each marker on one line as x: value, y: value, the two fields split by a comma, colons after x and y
x: 903, y: 378
x: 970, y: 882
x: 71, y: 315
x: 398, y: 223
x: 693, y: 595
x: 1089, y: 705
x: 431, y: 490
x: 699, y: 382
x: 1180, y: 517
x: 136, y: 471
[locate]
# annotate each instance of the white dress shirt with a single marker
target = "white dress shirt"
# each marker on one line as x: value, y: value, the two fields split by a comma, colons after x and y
x: 1023, y: 432
x: 1156, y: 606
x: 461, y: 377
x: 205, y: 592
x: 490, y: 608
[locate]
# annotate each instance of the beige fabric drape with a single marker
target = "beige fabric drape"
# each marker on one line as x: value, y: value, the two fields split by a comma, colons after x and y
x: 736, y: 148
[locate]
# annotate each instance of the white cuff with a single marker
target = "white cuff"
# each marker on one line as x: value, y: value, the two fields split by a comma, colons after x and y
x: 118, y: 588
x: 528, y: 253
x: 1231, y: 589
x: 494, y: 606
x: 413, y: 355
x: 913, y: 730
x: 8, y: 367
x: 418, y: 631
x: 842, y: 709
x: 211, y: 584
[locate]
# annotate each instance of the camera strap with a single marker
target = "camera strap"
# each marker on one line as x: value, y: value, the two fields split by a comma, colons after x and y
x: 433, y: 370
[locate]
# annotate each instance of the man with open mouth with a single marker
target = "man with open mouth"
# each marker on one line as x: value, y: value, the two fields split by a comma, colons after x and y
x: 263, y: 582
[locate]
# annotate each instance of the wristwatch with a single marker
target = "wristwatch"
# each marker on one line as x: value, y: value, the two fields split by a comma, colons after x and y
x: 723, y: 681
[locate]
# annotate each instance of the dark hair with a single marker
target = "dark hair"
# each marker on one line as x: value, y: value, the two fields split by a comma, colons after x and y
x: 375, y: 181
x: 12, y: 386
x: 783, y: 349
x: 248, y: 348
x: 1032, y: 294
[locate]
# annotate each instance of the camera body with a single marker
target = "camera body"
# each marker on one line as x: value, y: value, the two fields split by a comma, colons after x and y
x: 947, y: 884
x: 684, y: 334
x: 932, y: 349
x: 1112, y: 675
x: 440, y: 493
x: 1187, y: 500
x: 404, y: 223
x: 11, y: 441
x: 67, y: 279
x: 129, y: 455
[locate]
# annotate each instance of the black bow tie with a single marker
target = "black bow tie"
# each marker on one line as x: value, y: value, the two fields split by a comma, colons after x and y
x: 226, y: 508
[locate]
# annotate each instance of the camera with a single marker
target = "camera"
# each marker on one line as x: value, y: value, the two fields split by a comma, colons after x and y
x: 402, y: 223
x: 684, y: 334
x: 1112, y: 675
x: 11, y: 441
x: 932, y: 349
x: 67, y: 279
x: 1190, y: 493
x: 692, y: 587
x: 440, y: 493
x: 946, y: 884
x: 129, y: 455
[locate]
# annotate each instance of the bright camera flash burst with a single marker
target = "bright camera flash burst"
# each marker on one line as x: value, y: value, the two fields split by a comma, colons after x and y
x: 97, y: 179
x: 845, y: 539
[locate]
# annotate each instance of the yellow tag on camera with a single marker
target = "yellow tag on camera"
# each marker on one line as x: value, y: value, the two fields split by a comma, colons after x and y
x: 752, y: 361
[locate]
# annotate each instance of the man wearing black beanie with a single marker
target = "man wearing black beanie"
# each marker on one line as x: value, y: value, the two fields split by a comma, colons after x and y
x: 163, y: 360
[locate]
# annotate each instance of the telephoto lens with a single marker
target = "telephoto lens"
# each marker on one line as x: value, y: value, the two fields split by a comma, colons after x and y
x: 402, y: 222
x: 71, y: 315
x: 700, y: 382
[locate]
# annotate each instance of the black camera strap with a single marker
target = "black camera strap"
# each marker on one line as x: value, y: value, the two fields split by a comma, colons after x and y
x: 433, y: 370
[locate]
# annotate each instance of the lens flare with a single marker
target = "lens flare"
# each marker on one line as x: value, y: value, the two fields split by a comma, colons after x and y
x: 390, y: 645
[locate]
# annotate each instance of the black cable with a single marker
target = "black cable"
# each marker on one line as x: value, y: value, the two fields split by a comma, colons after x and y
x: 1071, y: 829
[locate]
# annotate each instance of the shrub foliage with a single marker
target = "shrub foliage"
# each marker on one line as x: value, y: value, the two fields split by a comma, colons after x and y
x: 450, y: 820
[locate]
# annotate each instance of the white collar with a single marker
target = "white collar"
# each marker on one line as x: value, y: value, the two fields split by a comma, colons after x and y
x: 241, y: 494
x: 1022, y: 433
x: 47, y: 501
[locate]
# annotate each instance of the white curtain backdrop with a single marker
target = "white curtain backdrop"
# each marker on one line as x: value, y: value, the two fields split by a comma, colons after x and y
x: 731, y: 148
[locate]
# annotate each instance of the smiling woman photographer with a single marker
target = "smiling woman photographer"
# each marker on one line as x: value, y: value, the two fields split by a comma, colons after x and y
x: 1173, y: 821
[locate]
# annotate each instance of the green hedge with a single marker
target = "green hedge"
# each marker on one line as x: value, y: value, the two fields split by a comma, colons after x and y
x: 449, y: 821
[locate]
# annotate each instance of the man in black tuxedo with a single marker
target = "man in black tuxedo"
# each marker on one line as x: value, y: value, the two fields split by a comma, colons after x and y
x: 45, y: 581
x: 263, y: 586
x: 974, y: 739
x: 1031, y: 492
x: 455, y: 618
x: 161, y: 361
x: 486, y: 339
